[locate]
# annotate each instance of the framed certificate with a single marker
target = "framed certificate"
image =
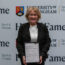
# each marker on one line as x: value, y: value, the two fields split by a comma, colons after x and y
x: 32, y: 52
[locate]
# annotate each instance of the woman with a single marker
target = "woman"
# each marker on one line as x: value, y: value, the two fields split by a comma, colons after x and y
x: 33, y: 31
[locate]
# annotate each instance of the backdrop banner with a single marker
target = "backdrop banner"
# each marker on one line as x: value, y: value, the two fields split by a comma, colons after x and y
x: 12, y: 14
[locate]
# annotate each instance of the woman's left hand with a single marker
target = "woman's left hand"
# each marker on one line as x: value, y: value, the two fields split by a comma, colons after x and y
x: 40, y: 60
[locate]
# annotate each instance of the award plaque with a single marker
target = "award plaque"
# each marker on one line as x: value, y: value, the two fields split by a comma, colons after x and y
x: 32, y: 52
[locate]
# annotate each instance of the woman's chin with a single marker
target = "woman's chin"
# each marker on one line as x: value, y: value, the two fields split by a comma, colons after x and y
x: 33, y: 22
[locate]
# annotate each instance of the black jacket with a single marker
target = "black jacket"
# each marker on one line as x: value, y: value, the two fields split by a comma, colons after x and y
x: 43, y: 39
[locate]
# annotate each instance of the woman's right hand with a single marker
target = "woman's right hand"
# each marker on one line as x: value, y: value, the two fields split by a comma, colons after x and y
x: 24, y: 60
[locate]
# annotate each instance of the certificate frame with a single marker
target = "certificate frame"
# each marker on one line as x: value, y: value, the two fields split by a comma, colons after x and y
x: 32, y: 54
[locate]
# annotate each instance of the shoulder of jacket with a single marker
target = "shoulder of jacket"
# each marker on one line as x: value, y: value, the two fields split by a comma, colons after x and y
x: 42, y: 24
x: 24, y: 24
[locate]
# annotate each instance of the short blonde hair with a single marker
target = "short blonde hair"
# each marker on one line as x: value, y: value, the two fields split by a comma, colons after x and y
x: 35, y: 9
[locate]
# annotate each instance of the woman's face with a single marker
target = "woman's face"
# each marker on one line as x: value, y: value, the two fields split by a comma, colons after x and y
x: 33, y: 17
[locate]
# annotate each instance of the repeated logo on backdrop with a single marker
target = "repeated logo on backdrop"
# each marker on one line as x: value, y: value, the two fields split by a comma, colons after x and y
x: 47, y: 9
x: 58, y: 42
x: 51, y: 27
x: 56, y: 58
x: 4, y: 10
x: 4, y: 43
x: 19, y: 10
x: 51, y: 58
x: 61, y: 8
x: 5, y: 25
x: 5, y: 56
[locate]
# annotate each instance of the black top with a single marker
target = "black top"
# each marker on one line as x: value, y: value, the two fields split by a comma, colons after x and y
x: 43, y: 39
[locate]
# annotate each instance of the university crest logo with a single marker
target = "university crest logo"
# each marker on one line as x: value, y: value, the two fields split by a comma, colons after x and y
x: 19, y: 10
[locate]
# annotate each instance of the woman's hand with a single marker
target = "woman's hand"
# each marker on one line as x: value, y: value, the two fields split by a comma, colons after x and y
x: 24, y: 60
x: 40, y: 59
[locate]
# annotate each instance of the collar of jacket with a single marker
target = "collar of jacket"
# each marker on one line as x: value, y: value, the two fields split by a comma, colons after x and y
x: 38, y: 25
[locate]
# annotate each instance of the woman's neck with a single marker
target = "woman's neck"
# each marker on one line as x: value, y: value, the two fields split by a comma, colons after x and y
x: 33, y: 24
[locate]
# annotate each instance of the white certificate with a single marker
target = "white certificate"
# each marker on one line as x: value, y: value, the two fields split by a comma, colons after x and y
x: 32, y: 52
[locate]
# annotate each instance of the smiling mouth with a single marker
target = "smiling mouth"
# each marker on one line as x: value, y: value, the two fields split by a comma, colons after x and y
x: 33, y: 19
